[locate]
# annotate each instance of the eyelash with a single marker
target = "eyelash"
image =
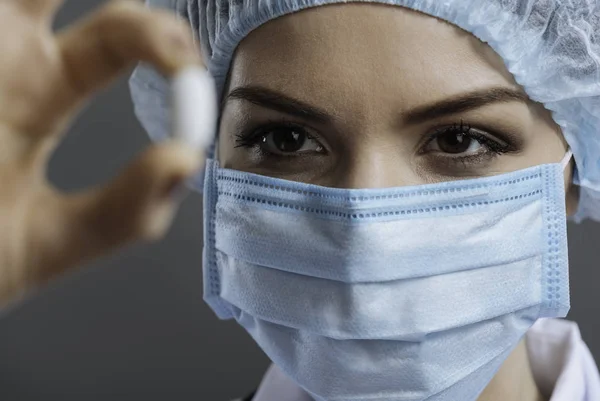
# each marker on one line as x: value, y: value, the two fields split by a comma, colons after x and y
x: 494, y: 148
x: 252, y: 137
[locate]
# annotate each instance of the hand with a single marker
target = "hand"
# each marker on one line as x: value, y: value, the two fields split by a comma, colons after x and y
x: 45, y: 78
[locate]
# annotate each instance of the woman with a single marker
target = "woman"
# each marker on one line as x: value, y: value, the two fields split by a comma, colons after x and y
x: 386, y: 212
x: 420, y: 280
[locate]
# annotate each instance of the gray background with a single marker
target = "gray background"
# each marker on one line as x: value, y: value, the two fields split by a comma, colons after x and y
x: 133, y: 326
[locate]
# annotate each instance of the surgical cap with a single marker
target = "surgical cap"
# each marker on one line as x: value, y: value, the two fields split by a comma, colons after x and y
x: 552, y: 48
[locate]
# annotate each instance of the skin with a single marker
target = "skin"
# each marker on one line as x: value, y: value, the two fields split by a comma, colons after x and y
x: 359, y: 74
x: 367, y: 79
x: 45, y: 232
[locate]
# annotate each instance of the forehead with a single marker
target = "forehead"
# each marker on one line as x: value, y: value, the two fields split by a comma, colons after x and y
x: 358, y: 54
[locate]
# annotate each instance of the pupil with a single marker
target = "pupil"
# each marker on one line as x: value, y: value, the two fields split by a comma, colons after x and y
x: 454, y: 143
x: 288, y: 140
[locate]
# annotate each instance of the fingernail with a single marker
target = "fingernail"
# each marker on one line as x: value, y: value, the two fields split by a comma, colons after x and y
x: 183, y: 49
x: 178, y: 41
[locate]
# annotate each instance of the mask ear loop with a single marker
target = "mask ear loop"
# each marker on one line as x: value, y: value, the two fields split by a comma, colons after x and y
x: 566, y: 159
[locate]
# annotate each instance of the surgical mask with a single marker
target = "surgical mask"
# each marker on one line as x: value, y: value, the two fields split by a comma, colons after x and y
x: 396, y: 294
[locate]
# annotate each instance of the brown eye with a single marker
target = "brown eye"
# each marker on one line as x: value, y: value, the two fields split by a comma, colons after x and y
x: 289, y: 141
x: 452, y: 142
x: 281, y: 139
x: 461, y: 140
x: 286, y: 140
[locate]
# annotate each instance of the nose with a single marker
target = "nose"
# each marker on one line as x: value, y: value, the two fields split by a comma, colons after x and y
x: 375, y: 166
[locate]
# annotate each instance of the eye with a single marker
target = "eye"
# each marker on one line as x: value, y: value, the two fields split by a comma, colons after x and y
x: 455, y: 143
x: 282, y: 139
x: 460, y: 141
x: 288, y: 140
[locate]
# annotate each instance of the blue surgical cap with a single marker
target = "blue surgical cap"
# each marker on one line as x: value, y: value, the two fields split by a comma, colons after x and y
x: 552, y: 48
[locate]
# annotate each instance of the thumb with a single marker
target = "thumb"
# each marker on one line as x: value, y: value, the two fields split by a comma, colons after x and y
x: 138, y: 205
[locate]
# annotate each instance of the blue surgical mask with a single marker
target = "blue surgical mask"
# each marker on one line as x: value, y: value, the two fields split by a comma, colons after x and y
x: 396, y: 294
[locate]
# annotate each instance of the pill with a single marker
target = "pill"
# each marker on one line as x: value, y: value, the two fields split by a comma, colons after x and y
x: 194, y: 107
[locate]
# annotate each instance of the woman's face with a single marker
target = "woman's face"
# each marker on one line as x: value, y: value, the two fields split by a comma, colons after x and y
x: 372, y: 96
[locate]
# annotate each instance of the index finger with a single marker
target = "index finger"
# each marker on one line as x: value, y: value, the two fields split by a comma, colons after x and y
x: 44, y: 9
x: 100, y: 48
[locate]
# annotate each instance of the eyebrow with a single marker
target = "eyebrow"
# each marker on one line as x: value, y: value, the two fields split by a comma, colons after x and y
x: 278, y: 101
x: 464, y: 102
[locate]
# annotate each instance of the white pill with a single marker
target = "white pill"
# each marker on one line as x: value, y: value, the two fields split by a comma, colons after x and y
x: 194, y: 107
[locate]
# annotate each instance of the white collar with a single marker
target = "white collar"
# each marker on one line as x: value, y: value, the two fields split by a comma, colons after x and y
x: 562, y: 364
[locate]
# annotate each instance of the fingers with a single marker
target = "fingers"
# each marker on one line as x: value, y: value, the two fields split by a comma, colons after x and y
x: 44, y: 9
x: 98, y: 49
x: 138, y: 205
